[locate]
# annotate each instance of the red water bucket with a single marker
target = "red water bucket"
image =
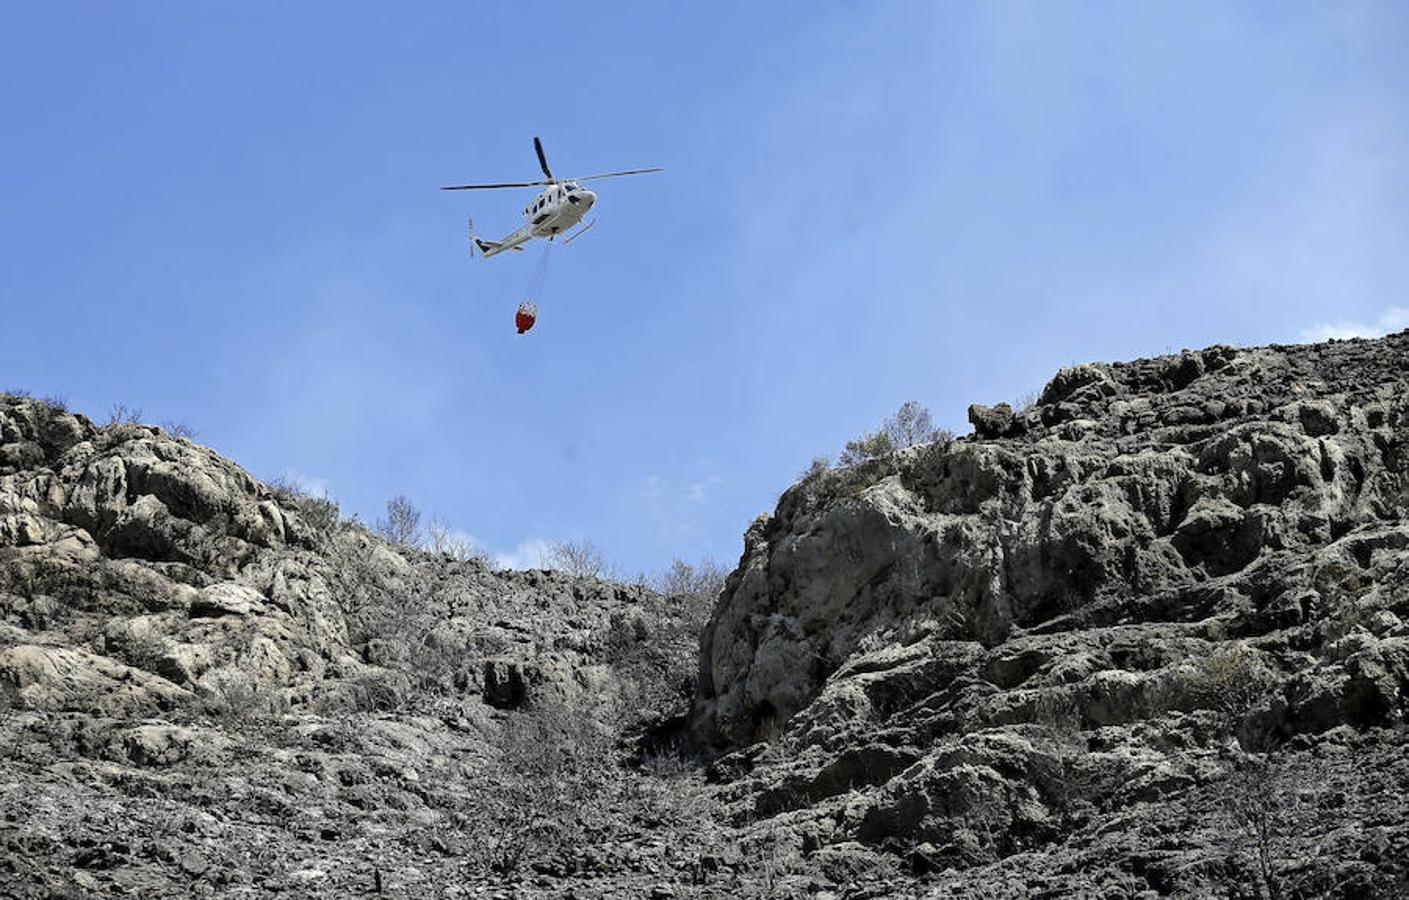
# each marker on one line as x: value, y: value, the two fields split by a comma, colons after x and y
x: 525, y: 316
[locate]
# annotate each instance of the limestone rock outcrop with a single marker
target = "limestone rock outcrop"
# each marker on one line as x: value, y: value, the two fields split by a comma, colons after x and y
x: 1156, y: 562
x: 210, y: 684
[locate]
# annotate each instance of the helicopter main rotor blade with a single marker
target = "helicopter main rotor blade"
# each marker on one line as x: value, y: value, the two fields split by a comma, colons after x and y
x: 542, y: 160
x: 551, y: 180
x: 615, y: 174
x: 508, y: 184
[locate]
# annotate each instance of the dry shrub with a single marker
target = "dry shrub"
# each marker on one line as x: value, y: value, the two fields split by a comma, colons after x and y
x: 141, y: 651
x: 1232, y: 681
x: 908, y: 426
x: 1060, y: 769
x: 319, y: 512
x: 703, y: 580
x: 580, y: 559
x: 402, y: 524
x: 378, y: 692
x: 236, y: 699
x: 1270, y: 805
x: 122, y: 414
x: 556, y: 767
x: 179, y: 428
x: 442, y: 539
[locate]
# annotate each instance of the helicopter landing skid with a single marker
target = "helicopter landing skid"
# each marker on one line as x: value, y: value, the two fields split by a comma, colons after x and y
x: 577, y: 234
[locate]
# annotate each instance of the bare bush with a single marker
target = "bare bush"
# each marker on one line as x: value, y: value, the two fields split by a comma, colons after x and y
x: 908, y: 426
x: 559, y: 764
x: 703, y: 579
x: 1065, y: 781
x: 402, y: 524
x: 442, y: 539
x: 122, y: 414
x: 179, y: 428
x: 580, y: 559
x: 911, y: 425
x: 1269, y: 806
x: 1025, y: 401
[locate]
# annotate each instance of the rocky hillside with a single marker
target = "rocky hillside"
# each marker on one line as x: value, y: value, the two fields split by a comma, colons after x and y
x: 213, y: 686
x: 1144, y: 638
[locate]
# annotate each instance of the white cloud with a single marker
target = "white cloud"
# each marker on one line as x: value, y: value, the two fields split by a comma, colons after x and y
x: 653, y: 486
x: 312, y: 485
x: 699, y: 491
x: 529, y: 554
x: 1396, y: 318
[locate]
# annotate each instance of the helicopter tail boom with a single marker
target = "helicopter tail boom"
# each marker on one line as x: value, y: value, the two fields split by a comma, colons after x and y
x: 490, y: 248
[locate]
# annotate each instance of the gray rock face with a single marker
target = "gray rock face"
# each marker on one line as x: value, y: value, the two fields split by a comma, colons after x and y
x: 209, y: 685
x: 1155, y: 560
x: 1144, y: 638
x: 145, y: 553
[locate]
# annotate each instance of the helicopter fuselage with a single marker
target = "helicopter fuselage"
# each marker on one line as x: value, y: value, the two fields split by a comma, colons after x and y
x: 557, y: 208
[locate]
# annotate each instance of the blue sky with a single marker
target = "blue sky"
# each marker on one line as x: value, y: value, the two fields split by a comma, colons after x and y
x: 226, y: 214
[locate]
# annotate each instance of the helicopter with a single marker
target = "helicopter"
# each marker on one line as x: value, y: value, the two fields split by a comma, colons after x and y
x: 558, y: 207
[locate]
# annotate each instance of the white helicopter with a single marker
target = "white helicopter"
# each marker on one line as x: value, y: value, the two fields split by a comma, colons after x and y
x: 559, y: 206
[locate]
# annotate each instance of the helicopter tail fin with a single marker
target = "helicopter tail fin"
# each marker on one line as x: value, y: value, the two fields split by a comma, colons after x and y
x: 489, y: 248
